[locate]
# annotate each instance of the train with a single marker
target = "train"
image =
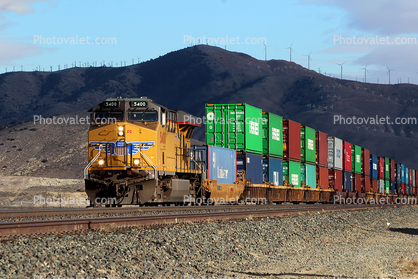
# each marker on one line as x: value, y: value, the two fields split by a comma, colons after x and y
x: 141, y: 153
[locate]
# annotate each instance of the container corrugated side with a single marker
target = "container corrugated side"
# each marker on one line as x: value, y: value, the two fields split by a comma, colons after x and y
x: 252, y: 164
x: 308, y: 175
x: 365, y: 161
x: 413, y: 178
x: 392, y: 169
x: 335, y: 178
x: 321, y: 149
x: 416, y: 178
x: 392, y: 187
x: 356, y: 159
x: 273, y: 170
x: 381, y: 186
x: 387, y: 186
x: 403, y: 180
x: 291, y: 173
x: 357, y: 182
x: 406, y: 175
x: 235, y: 126
x: 387, y: 169
x: 272, y: 135
x: 347, y: 166
x: 381, y: 167
x: 335, y: 153
x: 373, y: 166
x: 375, y: 185
x: 307, y: 145
x: 322, y: 177
x: 348, y: 181
x: 291, y: 140
x: 366, y: 183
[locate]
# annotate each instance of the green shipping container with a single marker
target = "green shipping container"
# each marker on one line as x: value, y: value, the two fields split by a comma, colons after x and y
x: 308, y: 175
x: 387, y: 172
x: 234, y: 126
x: 387, y: 186
x: 291, y: 173
x: 272, y: 135
x: 356, y: 159
x: 307, y: 145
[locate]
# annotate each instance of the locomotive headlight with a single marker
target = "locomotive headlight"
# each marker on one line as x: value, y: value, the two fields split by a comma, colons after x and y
x: 120, y: 133
x: 136, y: 162
x: 101, y: 162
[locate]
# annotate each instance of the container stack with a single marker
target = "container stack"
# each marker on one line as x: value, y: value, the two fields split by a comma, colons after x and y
x: 392, y: 176
x: 335, y: 163
x: 381, y: 174
x: 407, y: 181
x: 291, y: 153
x: 374, y: 173
x: 308, y: 157
x: 387, y: 176
x: 410, y: 181
x: 365, y: 170
x: 238, y: 126
x: 398, y: 178
x: 272, y: 148
x: 356, y: 167
x: 347, y: 167
x: 321, y: 140
x: 403, y: 179
x: 413, y: 182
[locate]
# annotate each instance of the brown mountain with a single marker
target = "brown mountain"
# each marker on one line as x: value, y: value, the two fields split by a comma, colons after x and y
x: 187, y: 79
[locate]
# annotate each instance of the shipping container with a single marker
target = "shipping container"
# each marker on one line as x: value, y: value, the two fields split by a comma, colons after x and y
x: 387, y: 186
x: 291, y: 140
x: 403, y: 177
x: 347, y: 157
x: 357, y: 186
x: 406, y: 176
x: 335, y: 153
x: 321, y: 149
x: 416, y: 178
x: 413, y: 178
x: 387, y: 170
x: 373, y: 167
x: 366, y: 183
x: 307, y: 145
x: 235, y: 126
x: 252, y: 164
x: 322, y: 177
x: 365, y: 161
x: 380, y: 167
x: 381, y: 186
x: 220, y: 163
x: 335, y: 179
x: 392, y: 187
x: 410, y: 177
x: 348, y: 181
x: 392, y: 169
x: 291, y: 173
x: 356, y: 159
x: 403, y: 188
x: 272, y: 135
x: 375, y: 186
x: 308, y: 175
x: 273, y: 170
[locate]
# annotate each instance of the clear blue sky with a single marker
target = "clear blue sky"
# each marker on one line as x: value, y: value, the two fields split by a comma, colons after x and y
x: 149, y: 29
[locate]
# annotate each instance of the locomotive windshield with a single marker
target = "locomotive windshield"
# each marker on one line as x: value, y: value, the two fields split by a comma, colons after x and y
x: 143, y: 115
x: 107, y: 117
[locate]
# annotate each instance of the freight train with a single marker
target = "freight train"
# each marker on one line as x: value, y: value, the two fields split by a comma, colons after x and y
x: 140, y: 153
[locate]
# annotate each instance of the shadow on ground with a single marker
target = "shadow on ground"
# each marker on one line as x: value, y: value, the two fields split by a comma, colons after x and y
x: 405, y: 230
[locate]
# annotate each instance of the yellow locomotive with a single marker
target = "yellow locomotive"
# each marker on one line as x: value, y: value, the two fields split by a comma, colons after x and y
x: 139, y: 152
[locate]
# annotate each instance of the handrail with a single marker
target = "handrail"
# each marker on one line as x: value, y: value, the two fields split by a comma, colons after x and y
x: 155, y: 170
x: 86, y: 169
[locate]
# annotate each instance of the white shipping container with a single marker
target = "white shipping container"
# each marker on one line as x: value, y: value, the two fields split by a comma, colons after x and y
x: 381, y: 186
x: 335, y: 153
x: 413, y: 179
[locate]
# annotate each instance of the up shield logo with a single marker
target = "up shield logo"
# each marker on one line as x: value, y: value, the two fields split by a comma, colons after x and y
x: 118, y: 147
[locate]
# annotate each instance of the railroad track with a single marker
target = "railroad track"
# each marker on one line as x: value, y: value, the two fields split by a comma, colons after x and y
x: 53, y: 226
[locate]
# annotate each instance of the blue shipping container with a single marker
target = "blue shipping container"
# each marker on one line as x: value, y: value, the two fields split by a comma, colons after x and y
x: 392, y: 187
x: 253, y: 166
x: 403, y: 173
x: 373, y: 166
x: 348, y: 181
x: 222, y: 163
x: 273, y: 170
x: 406, y: 175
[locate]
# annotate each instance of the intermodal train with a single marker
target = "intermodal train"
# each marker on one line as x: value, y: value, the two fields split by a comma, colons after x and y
x: 140, y: 153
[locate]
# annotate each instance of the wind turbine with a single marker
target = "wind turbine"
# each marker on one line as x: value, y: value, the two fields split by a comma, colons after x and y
x: 309, y: 59
x: 389, y: 72
x: 265, y: 50
x: 365, y: 71
x: 341, y: 65
x: 290, y: 50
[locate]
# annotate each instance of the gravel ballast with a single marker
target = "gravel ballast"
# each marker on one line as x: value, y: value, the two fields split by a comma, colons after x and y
x: 320, y: 245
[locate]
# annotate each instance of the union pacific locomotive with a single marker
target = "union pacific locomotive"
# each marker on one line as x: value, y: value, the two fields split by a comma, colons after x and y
x: 140, y: 153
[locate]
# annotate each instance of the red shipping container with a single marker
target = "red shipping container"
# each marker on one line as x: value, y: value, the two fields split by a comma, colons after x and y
x: 416, y: 178
x: 291, y: 140
x: 357, y: 183
x: 347, y: 157
x: 381, y: 167
x: 335, y: 178
x: 365, y: 183
x: 321, y: 149
x: 374, y: 186
x: 410, y: 177
x: 365, y: 161
x: 322, y: 177
x: 403, y: 189
x: 392, y: 169
x: 414, y: 190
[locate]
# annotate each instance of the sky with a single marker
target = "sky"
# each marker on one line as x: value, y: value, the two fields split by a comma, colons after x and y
x: 376, y: 34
